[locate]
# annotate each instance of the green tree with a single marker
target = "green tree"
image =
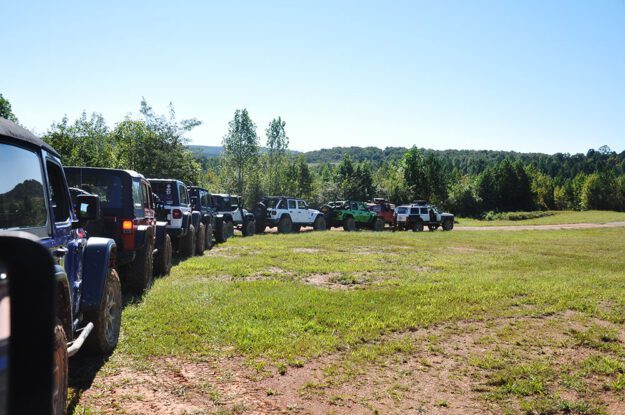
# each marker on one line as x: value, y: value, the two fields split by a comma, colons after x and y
x: 277, y: 152
x: 240, y: 147
x: 5, y: 109
x: 415, y: 174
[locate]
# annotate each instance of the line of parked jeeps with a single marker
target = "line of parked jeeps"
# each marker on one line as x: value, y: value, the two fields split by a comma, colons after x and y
x: 112, y: 230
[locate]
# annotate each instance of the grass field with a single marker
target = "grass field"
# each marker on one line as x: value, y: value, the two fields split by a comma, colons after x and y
x: 555, y: 217
x: 349, y: 323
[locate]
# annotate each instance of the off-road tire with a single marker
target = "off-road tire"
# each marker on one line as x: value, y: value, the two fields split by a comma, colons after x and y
x: 417, y: 227
x: 229, y: 228
x: 448, y: 225
x: 249, y: 228
x: 296, y: 228
x: 285, y: 225
x: 200, y: 240
x: 187, y: 243
x: 378, y: 225
x: 60, y: 371
x: 140, y: 273
x: 349, y: 224
x: 107, y: 318
x: 221, y: 235
x: 209, y: 237
x: 320, y: 223
x: 162, y: 264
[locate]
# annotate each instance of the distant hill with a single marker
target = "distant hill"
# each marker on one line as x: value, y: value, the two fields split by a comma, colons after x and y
x: 206, y: 151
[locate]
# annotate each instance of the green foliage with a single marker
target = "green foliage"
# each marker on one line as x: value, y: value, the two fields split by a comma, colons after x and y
x: 5, y: 109
x: 241, y: 147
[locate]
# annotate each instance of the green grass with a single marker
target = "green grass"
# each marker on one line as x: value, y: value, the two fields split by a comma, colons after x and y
x: 553, y: 218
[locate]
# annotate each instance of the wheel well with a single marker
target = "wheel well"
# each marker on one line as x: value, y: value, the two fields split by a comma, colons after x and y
x: 285, y: 215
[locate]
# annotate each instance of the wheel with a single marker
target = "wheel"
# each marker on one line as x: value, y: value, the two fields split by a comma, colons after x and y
x: 221, y: 235
x: 320, y: 223
x: 285, y: 225
x: 249, y: 228
x: 417, y: 227
x: 140, y: 273
x: 162, y: 266
x: 107, y: 318
x: 200, y: 240
x: 230, y: 229
x: 448, y: 225
x: 187, y: 244
x: 296, y: 228
x: 378, y: 225
x: 349, y: 224
x: 60, y: 371
x: 209, y: 237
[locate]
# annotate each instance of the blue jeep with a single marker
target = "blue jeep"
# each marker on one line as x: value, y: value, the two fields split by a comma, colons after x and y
x: 34, y: 198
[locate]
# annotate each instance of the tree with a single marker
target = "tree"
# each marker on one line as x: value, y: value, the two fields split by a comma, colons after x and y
x: 415, y: 174
x: 5, y: 109
x: 240, y: 146
x: 277, y: 151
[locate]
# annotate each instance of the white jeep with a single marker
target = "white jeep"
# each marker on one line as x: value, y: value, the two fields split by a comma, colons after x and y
x: 234, y: 216
x: 289, y: 214
x: 420, y: 214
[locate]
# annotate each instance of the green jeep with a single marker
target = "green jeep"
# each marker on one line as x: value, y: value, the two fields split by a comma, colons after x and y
x: 351, y: 215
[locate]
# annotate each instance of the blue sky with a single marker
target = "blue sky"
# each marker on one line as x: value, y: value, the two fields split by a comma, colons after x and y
x: 544, y: 76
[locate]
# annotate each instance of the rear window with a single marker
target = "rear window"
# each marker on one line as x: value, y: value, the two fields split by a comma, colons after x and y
x: 22, y: 198
x: 166, y: 192
x: 107, y: 185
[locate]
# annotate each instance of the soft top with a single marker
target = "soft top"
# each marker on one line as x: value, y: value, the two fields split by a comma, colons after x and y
x: 131, y: 173
x: 10, y: 129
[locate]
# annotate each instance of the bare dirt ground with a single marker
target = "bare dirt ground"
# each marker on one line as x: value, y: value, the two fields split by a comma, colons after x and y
x: 447, y: 369
x: 541, y: 227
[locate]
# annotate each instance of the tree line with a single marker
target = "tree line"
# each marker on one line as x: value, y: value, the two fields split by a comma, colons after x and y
x: 465, y: 182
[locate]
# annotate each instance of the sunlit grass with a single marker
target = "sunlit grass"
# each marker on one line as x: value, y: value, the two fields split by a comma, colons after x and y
x: 554, y: 218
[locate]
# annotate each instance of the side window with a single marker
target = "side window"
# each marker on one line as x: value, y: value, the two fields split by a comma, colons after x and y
x: 58, y: 193
x: 22, y: 198
x: 301, y: 204
x: 354, y: 206
x: 184, y: 197
x: 145, y: 196
x: 282, y: 204
x: 424, y: 211
x: 137, y: 201
x: 291, y: 204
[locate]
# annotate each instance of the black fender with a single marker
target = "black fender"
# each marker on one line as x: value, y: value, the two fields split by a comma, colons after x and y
x: 63, y: 301
x: 161, y: 231
x: 99, y: 256
x: 186, y: 221
x: 141, y: 236
x: 196, y: 218
x: 250, y: 217
x: 227, y: 218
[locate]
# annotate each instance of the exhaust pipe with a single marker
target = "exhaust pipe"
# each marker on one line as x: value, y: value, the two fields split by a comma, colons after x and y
x: 77, y: 344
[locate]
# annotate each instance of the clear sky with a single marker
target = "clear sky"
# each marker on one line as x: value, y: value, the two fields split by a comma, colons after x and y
x: 543, y: 76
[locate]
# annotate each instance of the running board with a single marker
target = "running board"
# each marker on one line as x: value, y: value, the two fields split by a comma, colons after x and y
x: 77, y: 344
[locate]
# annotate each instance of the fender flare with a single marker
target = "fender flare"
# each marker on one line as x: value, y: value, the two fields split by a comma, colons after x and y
x: 196, y: 218
x: 140, y: 236
x: 161, y: 231
x: 63, y: 301
x: 227, y: 218
x: 99, y: 255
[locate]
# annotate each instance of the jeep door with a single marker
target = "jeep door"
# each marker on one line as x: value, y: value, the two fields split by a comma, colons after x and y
x: 292, y: 208
x: 302, y: 212
x: 424, y: 214
x: 362, y: 214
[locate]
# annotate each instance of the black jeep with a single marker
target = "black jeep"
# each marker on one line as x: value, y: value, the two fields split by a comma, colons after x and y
x: 213, y: 223
x: 128, y: 216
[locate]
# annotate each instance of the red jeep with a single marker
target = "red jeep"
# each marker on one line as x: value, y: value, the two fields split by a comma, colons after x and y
x: 383, y: 208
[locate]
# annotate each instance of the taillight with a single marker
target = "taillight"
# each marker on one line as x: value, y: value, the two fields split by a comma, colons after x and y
x: 176, y: 214
x: 127, y: 226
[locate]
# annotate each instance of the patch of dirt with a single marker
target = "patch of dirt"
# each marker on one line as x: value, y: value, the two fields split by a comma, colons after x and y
x: 541, y: 227
x: 306, y: 250
x: 438, y: 370
x: 462, y: 249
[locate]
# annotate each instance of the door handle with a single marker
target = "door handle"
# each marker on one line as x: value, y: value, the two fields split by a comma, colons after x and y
x: 60, y: 252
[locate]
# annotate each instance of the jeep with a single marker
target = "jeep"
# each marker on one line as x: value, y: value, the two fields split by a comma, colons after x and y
x: 174, y: 207
x: 419, y: 214
x: 351, y: 215
x: 234, y: 216
x: 35, y: 198
x: 213, y: 223
x: 288, y: 214
x: 384, y: 209
x: 128, y: 216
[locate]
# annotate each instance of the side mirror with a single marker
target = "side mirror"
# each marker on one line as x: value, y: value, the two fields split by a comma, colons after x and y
x: 87, y: 208
x: 27, y: 293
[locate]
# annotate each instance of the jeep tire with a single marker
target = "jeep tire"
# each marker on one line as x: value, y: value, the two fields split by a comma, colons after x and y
x: 209, y: 237
x: 221, y: 236
x: 187, y: 243
x: 106, y: 318
x: 60, y: 371
x: 162, y: 263
x: 229, y: 228
x: 285, y: 225
x: 320, y: 223
x: 249, y: 228
x: 448, y: 225
x: 349, y: 224
x: 140, y: 272
x: 417, y: 226
x: 378, y: 225
x: 200, y: 240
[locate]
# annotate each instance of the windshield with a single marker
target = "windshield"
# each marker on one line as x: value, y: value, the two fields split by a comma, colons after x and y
x: 22, y: 199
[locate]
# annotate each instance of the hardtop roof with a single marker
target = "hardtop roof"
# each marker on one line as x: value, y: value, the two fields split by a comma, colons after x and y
x: 131, y: 173
x: 12, y: 130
